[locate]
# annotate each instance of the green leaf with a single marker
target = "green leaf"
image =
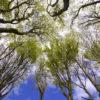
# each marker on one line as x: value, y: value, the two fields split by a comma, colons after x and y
x: 4, y: 4
x: 60, y: 53
x: 29, y: 49
x: 93, y: 53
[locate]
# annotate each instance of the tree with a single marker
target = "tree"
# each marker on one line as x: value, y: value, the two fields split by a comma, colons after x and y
x: 55, y: 10
x: 28, y: 21
x: 15, y: 62
x: 61, y: 55
x: 20, y: 17
x: 68, y: 69
x: 23, y: 18
x: 93, y: 54
x: 41, y: 77
x: 13, y: 68
x: 94, y: 17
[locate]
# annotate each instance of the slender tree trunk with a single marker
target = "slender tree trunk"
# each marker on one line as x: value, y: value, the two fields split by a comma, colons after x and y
x: 41, y: 96
x: 1, y: 97
x: 70, y: 94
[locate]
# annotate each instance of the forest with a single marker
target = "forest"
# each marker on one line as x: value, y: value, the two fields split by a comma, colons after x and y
x: 56, y: 42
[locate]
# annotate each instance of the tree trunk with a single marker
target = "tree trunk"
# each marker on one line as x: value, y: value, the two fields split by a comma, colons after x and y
x: 70, y: 96
x: 1, y: 97
x: 41, y: 96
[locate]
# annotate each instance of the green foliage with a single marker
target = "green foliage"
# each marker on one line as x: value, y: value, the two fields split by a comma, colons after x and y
x: 61, y: 53
x: 93, y: 53
x: 39, y: 6
x: 4, y: 4
x: 28, y: 48
x: 71, y: 46
x: 46, y: 25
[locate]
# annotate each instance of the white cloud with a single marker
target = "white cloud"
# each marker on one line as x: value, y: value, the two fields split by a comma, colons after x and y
x: 16, y: 90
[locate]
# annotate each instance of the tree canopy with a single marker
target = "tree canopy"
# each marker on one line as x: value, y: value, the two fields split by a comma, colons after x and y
x: 59, y: 38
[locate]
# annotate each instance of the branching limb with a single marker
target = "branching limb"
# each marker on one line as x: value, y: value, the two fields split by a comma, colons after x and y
x: 58, y: 13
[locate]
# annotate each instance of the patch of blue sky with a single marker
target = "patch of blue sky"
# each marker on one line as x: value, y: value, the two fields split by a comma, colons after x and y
x: 27, y: 91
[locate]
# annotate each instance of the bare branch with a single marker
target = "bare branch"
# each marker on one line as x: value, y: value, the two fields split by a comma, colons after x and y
x: 57, y: 13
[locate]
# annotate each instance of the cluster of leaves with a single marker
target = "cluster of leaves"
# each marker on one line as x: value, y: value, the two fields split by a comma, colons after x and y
x: 61, y: 55
x: 62, y: 51
x: 4, y: 4
x: 29, y: 48
x: 93, y: 53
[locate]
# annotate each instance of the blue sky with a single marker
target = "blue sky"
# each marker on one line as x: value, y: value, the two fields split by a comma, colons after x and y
x: 27, y: 91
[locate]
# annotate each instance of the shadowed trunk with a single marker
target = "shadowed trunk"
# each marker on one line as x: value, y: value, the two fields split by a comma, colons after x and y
x: 70, y: 96
x: 41, y: 96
